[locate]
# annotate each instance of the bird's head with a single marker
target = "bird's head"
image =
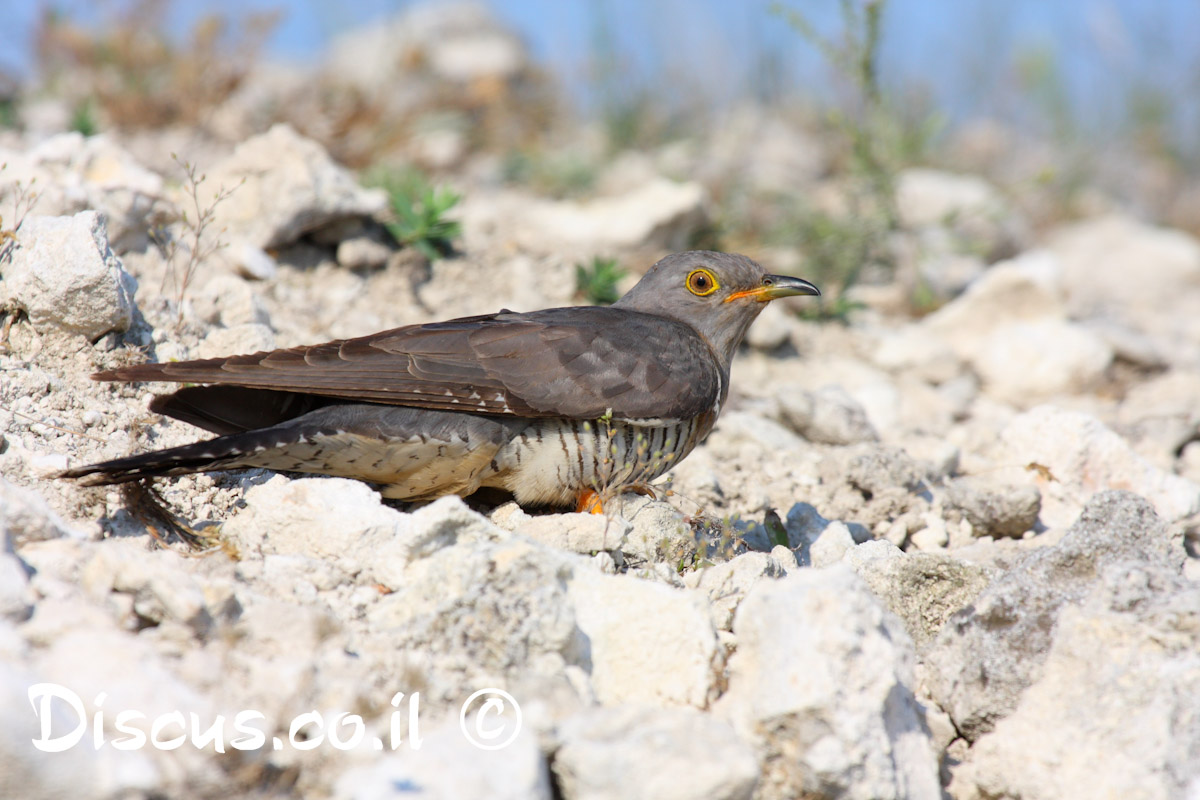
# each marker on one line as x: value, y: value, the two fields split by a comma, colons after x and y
x: 718, y: 294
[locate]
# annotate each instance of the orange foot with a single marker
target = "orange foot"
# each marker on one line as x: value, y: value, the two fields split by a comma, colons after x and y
x: 589, y: 501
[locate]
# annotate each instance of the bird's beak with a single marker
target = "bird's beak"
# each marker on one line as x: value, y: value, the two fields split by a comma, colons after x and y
x: 776, y: 286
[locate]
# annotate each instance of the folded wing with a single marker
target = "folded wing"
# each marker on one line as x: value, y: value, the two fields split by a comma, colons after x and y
x: 579, y: 363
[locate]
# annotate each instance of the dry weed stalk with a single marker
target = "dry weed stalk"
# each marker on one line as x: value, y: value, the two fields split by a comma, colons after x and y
x: 198, y: 245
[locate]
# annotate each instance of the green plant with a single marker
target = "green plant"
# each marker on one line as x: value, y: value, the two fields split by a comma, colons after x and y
x: 418, y: 212
x: 597, y: 282
x: 878, y: 138
x: 83, y: 118
x: 776, y: 530
x: 557, y: 174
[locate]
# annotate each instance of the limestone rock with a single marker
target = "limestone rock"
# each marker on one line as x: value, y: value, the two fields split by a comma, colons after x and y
x: 64, y: 275
x: 985, y: 657
x: 995, y: 511
x: 922, y: 589
x: 648, y: 643
x: 1096, y: 255
x: 1121, y: 679
x: 827, y: 703
x: 1083, y: 457
x: 71, y: 173
x: 828, y: 416
x: 291, y: 187
x: 631, y: 751
x: 727, y: 584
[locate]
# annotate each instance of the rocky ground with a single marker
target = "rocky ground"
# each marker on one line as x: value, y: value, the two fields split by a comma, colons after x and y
x: 955, y: 555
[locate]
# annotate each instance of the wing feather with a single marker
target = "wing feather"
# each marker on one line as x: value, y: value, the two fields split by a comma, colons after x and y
x: 579, y: 363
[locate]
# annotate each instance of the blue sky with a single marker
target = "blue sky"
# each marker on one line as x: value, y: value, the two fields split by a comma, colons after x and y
x: 963, y: 51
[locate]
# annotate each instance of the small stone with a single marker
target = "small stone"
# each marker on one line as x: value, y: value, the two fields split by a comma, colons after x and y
x: 828, y: 416
x: 1003, y: 511
x: 933, y: 537
x: 251, y: 338
x: 578, y: 533
x: 831, y: 545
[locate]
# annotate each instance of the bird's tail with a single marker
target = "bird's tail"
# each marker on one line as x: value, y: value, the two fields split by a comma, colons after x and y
x: 223, y: 452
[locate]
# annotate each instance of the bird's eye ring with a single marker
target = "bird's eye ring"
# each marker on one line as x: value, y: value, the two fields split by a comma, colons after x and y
x: 701, y: 282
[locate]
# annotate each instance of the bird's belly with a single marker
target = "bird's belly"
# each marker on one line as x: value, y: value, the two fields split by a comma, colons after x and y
x: 552, y: 461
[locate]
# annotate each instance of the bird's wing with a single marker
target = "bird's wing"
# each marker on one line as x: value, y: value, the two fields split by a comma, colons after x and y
x: 581, y: 363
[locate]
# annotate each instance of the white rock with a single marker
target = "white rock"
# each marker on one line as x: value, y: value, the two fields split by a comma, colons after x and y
x: 831, y: 545
x: 578, y: 533
x: 123, y: 672
x: 874, y: 550
x: 159, y: 588
x: 1161, y: 415
x: 726, y: 584
x: 922, y: 589
x: 1023, y: 362
x: 987, y: 655
x: 364, y: 252
x: 64, y: 275
x: 1085, y: 457
x: 966, y: 204
x: 656, y: 531
x: 253, y: 262
x: 26, y: 517
x: 772, y: 329
x: 995, y: 510
x: 238, y: 339
x: 660, y: 215
x: 917, y: 351
x: 459, y: 41
x: 448, y: 766
x: 828, y: 702
x: 648, y: 643
x: 934, y: 536
x: 1024, y: 289
x: 1121, y: 679
x: 630, y: 751
x: 75, y: 174
x: 291, y: 187
x: 1159, y: 296
x: 321, y: 519
x: 80, y: 772
x: 829, y: 415
x: 228, y: 300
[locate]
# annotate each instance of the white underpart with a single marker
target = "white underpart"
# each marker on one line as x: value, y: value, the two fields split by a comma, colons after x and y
x: 577, y: 455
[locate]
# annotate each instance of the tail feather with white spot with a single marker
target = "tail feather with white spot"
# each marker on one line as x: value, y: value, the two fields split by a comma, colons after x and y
x: 223, y: 452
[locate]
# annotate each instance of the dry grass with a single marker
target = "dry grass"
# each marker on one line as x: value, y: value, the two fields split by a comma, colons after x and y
x: 136, y: 76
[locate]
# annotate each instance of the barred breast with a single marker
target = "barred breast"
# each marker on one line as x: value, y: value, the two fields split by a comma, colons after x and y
x: 552, y: 460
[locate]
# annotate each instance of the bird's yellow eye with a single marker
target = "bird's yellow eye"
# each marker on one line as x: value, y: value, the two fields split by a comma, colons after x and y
x: 701, y: 282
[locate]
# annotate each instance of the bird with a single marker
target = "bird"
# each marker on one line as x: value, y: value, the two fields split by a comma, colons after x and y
x: 558, y: 407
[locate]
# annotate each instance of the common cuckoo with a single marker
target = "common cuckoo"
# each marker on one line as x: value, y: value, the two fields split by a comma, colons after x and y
x: 558, y: 407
